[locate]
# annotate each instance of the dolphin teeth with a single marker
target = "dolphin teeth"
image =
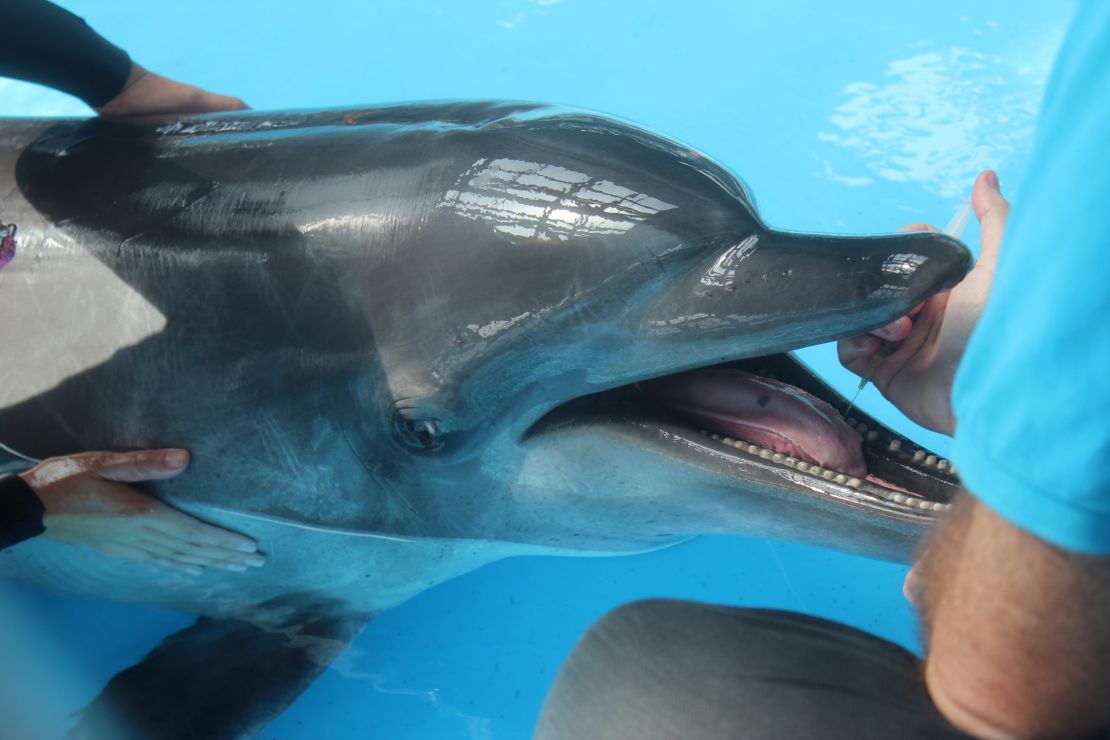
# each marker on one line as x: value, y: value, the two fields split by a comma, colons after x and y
x: 861, y: 427
x: 841, y: 478
x: 852, y: 422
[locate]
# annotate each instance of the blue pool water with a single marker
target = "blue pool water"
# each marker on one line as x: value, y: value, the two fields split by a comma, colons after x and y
x: 850, y: 117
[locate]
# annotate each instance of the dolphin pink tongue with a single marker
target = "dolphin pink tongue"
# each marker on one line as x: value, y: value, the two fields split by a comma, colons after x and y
x: 765, y: 412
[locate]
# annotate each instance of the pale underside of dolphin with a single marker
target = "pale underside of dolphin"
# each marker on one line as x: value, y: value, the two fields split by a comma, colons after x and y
x: 404, y: 341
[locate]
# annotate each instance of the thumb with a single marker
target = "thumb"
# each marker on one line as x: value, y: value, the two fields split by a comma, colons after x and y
x: 131, y: 467
x: 991, y: 209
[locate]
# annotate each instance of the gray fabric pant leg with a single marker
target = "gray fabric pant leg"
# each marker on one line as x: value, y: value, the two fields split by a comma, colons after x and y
x: 676, y: 670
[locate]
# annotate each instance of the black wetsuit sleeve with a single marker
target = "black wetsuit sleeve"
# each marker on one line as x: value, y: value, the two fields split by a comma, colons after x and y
x: 45, y: 44
x: 20, y: 511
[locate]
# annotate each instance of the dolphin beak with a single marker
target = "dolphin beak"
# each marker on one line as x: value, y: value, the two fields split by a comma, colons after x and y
x: 773, y: 291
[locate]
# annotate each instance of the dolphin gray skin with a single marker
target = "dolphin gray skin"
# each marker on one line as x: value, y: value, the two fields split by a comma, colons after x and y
x: 402, y: 342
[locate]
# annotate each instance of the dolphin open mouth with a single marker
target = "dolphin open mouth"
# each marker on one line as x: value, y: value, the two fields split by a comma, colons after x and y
x: 783, y: 427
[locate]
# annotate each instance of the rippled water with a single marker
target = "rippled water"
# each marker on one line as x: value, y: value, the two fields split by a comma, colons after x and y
x: 850, y: 119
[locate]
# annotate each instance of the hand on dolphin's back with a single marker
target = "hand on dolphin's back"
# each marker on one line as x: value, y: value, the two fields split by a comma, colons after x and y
x: 917, y: 377
x: 87, y: 503
x: 147, y: 93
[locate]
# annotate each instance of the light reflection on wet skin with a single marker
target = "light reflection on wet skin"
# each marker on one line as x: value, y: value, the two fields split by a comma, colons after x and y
x: 547, y: 202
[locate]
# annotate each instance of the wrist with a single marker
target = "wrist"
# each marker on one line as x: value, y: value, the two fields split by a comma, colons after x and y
x: 21, y: 511
x: 111, y: 107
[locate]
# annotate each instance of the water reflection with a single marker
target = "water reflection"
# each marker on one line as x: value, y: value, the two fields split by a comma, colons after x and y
x: 938, y: 119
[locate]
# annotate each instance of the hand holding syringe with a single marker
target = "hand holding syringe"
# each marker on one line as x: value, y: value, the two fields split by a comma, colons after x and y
x: 954, y: 229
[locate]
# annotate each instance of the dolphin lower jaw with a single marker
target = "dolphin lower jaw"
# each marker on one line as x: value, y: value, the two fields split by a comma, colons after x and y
x: 907, y: 485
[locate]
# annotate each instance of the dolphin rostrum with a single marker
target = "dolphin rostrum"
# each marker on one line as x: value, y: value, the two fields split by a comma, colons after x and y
x: 404, y: 341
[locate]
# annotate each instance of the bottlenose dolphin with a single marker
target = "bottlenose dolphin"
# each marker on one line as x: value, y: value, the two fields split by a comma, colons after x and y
x: 404, y: 341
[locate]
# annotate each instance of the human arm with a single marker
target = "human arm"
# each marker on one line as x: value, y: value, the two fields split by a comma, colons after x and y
x: 48, y: 45
x: 86, y: 502
x: 1018, y: 630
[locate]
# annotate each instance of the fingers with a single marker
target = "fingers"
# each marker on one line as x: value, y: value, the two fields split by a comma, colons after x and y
x: 184, y: 553
x: 137, y: 554
x: 147, y: 93
x: 855, y: 353
x: 920, y: 227
x: 911, y: 587
x: 896, y: 330
x: 991, y: 209
x: 131, y: 467
x: 206, y: 102
x: 180, y: 526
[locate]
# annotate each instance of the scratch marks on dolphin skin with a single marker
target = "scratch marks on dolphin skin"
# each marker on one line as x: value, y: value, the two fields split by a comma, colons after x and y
x: 547, y: 202
x: 493, y: 328
x: 786, y: 577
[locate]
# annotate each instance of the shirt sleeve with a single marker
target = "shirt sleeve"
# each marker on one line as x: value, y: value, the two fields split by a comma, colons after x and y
x: 45, y: 44
x: 1032, y: 396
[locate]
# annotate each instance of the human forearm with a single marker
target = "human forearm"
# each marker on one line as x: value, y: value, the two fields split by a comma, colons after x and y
x: 1017, y: 630
x: 51, y: 46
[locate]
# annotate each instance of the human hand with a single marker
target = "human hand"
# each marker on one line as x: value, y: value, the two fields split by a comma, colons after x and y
x: 145, y: 92
x: 917, y: 377
x: 86, y: 503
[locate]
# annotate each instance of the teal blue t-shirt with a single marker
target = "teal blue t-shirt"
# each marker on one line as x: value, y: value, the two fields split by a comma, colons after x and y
x: 1032, y: 395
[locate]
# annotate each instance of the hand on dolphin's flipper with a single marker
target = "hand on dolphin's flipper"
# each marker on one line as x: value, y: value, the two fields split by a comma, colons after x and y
x: 148, y: 93
x: 917, y: 377
x: 86, y: 503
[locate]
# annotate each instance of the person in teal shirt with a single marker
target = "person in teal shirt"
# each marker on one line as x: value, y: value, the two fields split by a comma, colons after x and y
x: 1013, y: 588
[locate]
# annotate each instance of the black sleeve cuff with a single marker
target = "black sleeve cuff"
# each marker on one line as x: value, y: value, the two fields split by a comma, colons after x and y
x: 51, y: 46
x: 20, y: 511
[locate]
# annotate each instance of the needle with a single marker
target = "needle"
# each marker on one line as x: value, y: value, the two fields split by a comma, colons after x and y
x: 954, y: 228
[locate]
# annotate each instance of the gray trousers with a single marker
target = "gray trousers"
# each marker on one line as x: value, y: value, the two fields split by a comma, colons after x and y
x: 677, y: 670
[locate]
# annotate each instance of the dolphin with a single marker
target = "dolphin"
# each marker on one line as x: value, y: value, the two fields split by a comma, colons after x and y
x: 405, y: 341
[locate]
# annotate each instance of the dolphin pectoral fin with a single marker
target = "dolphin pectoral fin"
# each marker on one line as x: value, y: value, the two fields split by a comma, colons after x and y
x: 222, y: 678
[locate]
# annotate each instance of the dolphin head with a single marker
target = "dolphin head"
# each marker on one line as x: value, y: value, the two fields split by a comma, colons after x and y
x: 530, y: 287
x: 571, y: 258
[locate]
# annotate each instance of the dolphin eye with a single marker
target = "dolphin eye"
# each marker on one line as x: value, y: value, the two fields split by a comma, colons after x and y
x: 418, y: 434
